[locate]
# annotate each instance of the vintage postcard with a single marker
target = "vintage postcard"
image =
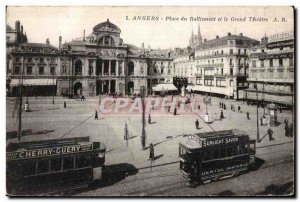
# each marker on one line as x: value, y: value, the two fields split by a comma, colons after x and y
x: 156, y: 101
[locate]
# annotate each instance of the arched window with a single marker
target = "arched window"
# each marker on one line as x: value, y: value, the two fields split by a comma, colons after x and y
x: 130, y: 68
x: 78, y: 67
x: 106, y: 40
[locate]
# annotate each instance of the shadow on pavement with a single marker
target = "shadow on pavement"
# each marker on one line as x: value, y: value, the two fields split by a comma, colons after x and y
x: 158, y: 156
x: 111, y: 175
x: 154, y: 122
x: 225, y: 193
x: 133, y: 137
x: 163, y: 141
x: 258, y: 163
x: 283, y: 189
x: 42, y: 132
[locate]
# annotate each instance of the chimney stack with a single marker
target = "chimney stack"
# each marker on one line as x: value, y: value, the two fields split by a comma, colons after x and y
x: 59, y: 40
x: 17, y: 26
x: 217, y: 36
x: 47, y: 41
x: 229, y: 34
x: 143, y: 45
x: 241, y: 34
x: 84, y: 35
x: 205, y: 40
x: 21, y: 29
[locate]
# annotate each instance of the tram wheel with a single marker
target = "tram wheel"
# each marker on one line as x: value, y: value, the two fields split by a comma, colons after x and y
x: 216, y: 179
x: 206, y: 181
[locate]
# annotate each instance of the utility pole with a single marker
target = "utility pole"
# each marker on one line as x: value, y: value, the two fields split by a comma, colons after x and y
x: 257, y: 125
x: 53, y: 87
x: 20, y: 103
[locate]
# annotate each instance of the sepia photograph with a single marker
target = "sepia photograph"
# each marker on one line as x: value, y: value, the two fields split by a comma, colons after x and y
x: 150, y: 101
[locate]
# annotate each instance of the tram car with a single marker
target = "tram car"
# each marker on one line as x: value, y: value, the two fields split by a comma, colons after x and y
x: 210, y: 156
x: 53, y: 166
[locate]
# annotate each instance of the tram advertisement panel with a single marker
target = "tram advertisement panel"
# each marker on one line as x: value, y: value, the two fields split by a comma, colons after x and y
x: 48, y: 152
x: 223, y: 140
x: 209, y: 172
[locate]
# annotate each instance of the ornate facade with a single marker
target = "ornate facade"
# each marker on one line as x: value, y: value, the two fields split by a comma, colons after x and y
x: 100, y: 63
x: 271, y: 71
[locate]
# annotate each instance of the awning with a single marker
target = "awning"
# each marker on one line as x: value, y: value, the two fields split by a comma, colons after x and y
x: 189, y: 87
x: 33, y: 82
x: 164, y: 87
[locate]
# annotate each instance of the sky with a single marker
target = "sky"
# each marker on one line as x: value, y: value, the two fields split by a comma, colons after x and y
x: 69, y: 22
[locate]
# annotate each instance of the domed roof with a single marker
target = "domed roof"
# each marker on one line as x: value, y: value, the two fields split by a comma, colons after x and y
x: 106, y: 27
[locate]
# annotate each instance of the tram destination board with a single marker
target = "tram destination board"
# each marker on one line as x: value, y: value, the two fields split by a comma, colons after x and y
x: 35, y: 153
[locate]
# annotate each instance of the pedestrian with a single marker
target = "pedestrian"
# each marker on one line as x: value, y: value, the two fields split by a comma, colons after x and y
x: 126, y: 133
x: 286, y: 128
x: 199, y: 107
x: 224, y: 107
x: 222, y: 115
x: 175, y: 111
x: 65, y: 104
x: 220, y: 105
x: 291, y: 130
x: 96, y: 115
x: 239, y: 108
x: 82, y: 98
x: 261, y: 121
x: 149, y: 119
x: 248, y: 116
x: 197, y: 124
x: 286, y: 121
x: 270, y: 133
x: 151, y: 155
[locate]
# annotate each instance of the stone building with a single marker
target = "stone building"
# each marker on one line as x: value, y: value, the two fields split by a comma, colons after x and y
x: 222, y: 65
x: 99, y: 63
x: 271, y: 71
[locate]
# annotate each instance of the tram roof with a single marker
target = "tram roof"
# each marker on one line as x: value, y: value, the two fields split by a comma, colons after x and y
x: 47, y: 143
x: 221, y: 133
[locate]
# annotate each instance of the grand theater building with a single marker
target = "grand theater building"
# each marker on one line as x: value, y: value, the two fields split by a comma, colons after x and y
x: 99, y: 63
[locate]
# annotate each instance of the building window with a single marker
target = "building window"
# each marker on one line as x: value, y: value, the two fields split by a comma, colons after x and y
x: 52, y: 60
x: 280, y: 62
x: 262, y: 63
x: 239, y: 51
x: 41, y: 70
x: 262, y: 50
x: 221, y: 52
x: 231, y: 71
x: 41, y: 60
x: 208, y: 82
x: 231, y: 51
x: 17, y: 70
x: 222, y: 71
x: 230, y: 62
x: 78, y: 67
x: 64, y: 69
x: 222, y: 60
x: 253, y: 63
x: 291, y: 62
x: 198, y: 81
x: 271, y: 63
x: 212, y: 61
x: 17, y: 59
x: 231, y: 82
x: 245, y: 51
x: 52, y: 70
x: 29, y: 59
x: 29, y: 70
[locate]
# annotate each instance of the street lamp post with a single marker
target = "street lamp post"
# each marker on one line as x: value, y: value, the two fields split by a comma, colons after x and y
x: 257, y: 125
x: 263, y: 99
x: 53, y: 89
x: 206, y: 100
